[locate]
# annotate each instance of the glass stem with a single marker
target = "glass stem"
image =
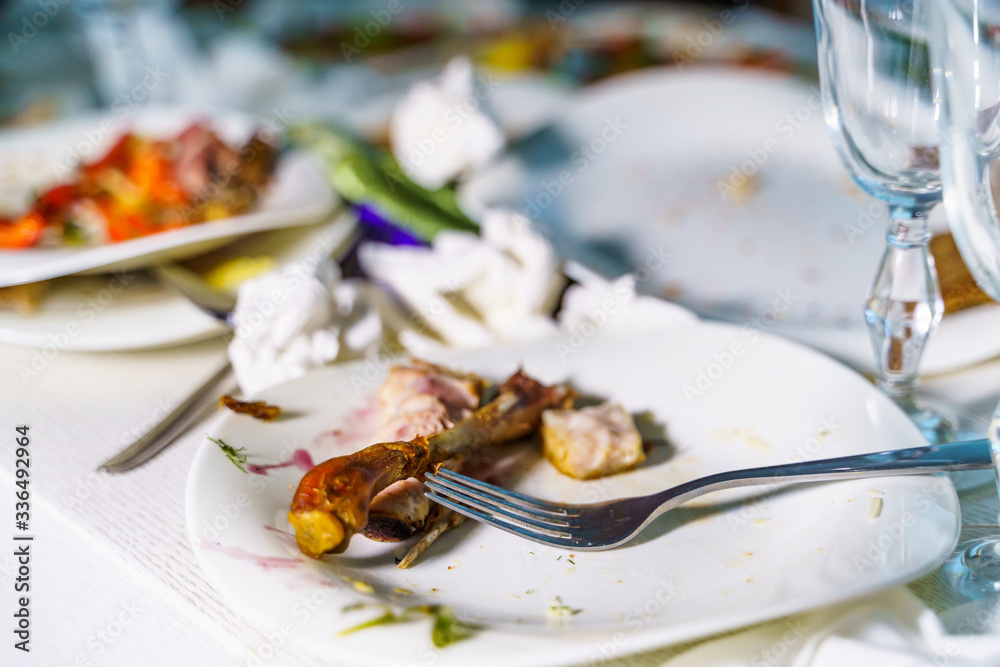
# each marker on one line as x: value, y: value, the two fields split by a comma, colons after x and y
x: 903, y: 307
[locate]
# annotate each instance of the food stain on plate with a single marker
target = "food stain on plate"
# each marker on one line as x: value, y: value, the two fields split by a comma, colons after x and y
x: 300, y: 459
x: 748, y: 435
x: 264, y: 562
x: 354, y: 430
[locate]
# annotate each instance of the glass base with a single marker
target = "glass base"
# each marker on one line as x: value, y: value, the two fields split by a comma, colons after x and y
x: 974, y: 571
x: 941, y: 422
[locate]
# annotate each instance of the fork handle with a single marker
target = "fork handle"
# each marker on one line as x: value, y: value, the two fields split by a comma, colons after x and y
x: 201, y: 402
x: 966, y: 455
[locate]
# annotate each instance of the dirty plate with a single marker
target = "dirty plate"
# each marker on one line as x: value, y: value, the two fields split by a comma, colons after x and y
x: 713, y: 397
x: 722, y: 189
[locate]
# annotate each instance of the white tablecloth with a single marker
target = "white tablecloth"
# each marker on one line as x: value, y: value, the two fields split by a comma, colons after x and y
x: 114, y: 580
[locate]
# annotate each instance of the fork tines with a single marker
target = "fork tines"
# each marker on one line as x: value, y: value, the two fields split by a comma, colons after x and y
x: 508, y: 510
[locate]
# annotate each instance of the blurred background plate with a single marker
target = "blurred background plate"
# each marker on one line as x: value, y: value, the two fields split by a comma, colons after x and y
x: 299, y: 193
x: 131, y: 310
x: 723, y: 183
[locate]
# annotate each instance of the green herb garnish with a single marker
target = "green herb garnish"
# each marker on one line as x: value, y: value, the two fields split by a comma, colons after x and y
x: 232, y: 453
x: 448, y: 629
x: 384, y: 619
x: 363, y: 174
x: 73, y: 234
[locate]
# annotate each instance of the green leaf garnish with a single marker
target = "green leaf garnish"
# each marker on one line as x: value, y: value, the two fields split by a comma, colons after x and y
x: 232, y: 453
x: 363, y: 174
x: 384, y: 619
x: 448, y: 629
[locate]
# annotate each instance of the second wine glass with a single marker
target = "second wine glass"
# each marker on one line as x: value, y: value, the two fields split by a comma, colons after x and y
x: 966, y: 55
x: 875, y: 76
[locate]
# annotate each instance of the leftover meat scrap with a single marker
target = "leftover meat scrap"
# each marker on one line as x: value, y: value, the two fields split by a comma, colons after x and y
x: 591, y: 442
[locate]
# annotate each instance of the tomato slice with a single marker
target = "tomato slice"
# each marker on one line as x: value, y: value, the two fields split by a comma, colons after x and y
x: 117, y: 157
x: 125, y: 224
x: 24, y: 232
x: 59, y: 197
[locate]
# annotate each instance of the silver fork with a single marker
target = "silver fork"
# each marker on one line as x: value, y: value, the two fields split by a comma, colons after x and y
x: 605, y: 525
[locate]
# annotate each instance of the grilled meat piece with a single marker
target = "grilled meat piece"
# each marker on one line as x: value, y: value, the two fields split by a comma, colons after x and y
x: 417, y: 399
x: 333, y: 499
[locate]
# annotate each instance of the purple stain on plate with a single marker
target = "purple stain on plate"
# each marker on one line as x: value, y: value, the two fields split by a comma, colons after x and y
x: 300, y: 459
x: 264, y: 562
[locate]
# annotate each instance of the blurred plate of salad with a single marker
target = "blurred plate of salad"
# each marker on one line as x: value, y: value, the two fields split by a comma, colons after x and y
x: 117, y: 192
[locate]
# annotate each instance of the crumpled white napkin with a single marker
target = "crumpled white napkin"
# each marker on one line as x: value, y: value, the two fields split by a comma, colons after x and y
x: 289, y: 321
x: 615, y: 305
x: 475, y: 290
x: 888, y: 629
x: 443, y: 128
x: 465, y: 291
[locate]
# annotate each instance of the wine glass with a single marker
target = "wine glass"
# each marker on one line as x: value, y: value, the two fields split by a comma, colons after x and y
x: 965, y: 49
x: 875, y: 77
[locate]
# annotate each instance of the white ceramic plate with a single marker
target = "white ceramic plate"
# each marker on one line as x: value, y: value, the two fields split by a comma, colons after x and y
x: 643, y: 158
x: 716, y: 566
x: 298, y: 195
x: 129, y: 311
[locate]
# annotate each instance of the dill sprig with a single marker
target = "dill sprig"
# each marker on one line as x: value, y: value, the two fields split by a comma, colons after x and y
x: 233, y: 454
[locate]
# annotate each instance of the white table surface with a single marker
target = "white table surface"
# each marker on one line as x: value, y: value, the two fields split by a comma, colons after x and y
x: 114, y: 580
